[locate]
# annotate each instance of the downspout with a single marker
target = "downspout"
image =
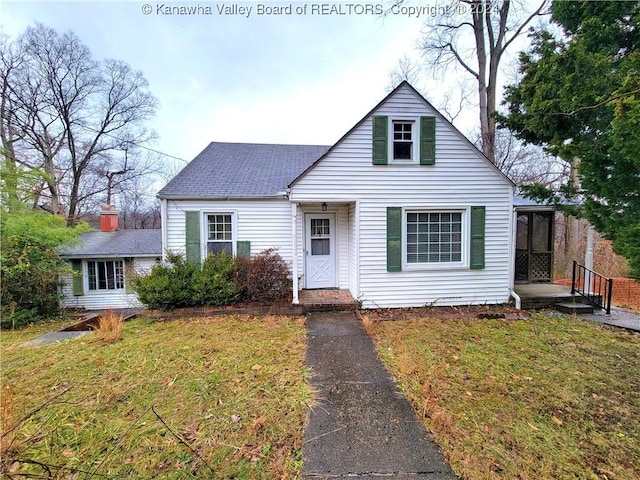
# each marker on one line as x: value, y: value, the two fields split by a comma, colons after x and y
x: 512, y: 253
x: 517, y: 299
x: 163, y: 226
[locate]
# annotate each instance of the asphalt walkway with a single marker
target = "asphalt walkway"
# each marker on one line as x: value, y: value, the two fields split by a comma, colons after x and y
x: 619, y: 317
x: 362, y: 426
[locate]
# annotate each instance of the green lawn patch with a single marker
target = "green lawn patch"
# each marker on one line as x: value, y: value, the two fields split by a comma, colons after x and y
x: 546, y: 398
x: 222, y: 397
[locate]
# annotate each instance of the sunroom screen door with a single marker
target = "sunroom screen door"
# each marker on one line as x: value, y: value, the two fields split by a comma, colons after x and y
x: 320, y: 251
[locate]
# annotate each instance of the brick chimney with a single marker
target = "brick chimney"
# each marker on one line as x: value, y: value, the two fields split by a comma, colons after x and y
x: 108, y: 218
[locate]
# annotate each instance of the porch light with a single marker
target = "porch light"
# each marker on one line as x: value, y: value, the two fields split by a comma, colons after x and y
x: 324, y: 206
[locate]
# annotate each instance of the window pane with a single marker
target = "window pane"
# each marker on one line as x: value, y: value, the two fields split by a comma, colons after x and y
x: 102, y: 276
x: 105, y: 275
x: 402, y: 150
x: 220, y: 227
x: 320, y: 246
x: 91, y: 270
x: 320, y: 227
x: 119, y: 274
x: 111, y: 275
x: 438, y: 238
x: 402, y: 140
x: 219, y: 247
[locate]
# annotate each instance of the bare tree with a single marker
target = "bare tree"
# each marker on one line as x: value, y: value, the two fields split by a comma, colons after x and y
x: 525, y: 163
x: 474, y: 37
x: 8, y: 63
x: 452, y: 102
x: 72, y: 114
x: 137, y: 204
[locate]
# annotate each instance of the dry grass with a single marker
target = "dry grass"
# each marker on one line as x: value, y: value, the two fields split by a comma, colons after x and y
x: 110, y: 326
x: 548, y: 398
x: 9, y: 419
x: 195, y: 398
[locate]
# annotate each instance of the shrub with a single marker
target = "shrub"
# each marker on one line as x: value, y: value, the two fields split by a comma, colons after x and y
x: 221, y: 280
x: 168, y: 286
x: 213, y: 284
x: 264, y: 277
x: 30, y: 264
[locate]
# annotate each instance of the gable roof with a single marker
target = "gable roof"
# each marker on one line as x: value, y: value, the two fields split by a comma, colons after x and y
x: 241, y: 170
x: 117, y: 244
x: 441, y: 117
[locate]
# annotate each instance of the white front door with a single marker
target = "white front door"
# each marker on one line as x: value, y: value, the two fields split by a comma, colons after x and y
x: 320, y: 251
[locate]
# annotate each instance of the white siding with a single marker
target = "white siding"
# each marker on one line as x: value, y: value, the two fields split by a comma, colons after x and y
x: 460, y: 178
x: 265, y: 223
x: 101, y: 299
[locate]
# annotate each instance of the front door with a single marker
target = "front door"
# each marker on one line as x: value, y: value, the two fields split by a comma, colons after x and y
x: 320, y: 251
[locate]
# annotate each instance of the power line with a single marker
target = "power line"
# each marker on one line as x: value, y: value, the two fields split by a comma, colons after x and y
x: 136, y: 144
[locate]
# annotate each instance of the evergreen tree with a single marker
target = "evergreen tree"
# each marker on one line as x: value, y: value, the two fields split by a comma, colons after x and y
x: 579, y: 97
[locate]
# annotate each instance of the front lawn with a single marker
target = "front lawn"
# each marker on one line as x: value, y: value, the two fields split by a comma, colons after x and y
x: 212, y: 397
x: 546, y: 398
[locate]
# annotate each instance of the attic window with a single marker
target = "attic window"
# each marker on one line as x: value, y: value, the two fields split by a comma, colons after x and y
x: 402, y: 140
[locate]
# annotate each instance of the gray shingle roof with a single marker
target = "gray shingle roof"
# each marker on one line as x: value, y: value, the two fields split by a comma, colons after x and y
x: 121, y: 243
x: 242, y: 170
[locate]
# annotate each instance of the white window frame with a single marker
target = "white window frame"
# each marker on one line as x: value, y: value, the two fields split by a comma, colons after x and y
x: 104, y: 260
x: 415, y: 139
x: 464, y: 240
x: 205, y: 232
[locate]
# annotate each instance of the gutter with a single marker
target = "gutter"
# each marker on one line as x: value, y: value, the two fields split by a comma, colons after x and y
x: 277, y: 196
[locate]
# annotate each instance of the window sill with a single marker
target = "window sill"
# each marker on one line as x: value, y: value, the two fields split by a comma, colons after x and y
x: 410, y: 162
x: 106, y: 290
x: 430, y: 267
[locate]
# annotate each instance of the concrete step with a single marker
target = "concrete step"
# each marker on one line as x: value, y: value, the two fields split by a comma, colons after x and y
x: 574, y: 307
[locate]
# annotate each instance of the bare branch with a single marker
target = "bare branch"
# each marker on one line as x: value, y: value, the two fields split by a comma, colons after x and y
x: 536, y: 13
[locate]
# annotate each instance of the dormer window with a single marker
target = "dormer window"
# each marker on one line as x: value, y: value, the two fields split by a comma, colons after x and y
x: 402, y: 140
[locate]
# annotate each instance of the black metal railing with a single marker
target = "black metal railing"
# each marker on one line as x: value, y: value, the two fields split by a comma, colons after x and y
x: 595, y: 288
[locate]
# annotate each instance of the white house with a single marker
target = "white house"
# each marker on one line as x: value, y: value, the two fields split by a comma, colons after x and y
x: 402, y: 211
x: 104, y: 263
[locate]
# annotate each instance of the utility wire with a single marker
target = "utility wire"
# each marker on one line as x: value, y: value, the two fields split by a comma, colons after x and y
x: 86, y: 127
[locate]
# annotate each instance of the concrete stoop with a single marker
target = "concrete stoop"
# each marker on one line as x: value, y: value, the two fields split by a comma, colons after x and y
x: 574, y: 308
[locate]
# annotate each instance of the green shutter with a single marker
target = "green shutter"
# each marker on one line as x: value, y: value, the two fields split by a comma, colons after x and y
x: 380, y: 139
x: 77, y: 279
x: 243, y: 248
x: 192, y: 236
x: 394, y: 239
x: 427, y: 140
x: 477, y: 238
x: 128, y: 275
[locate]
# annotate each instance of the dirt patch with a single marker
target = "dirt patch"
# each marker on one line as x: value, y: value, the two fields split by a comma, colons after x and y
x: 626, y: 292
x: 449, y: 313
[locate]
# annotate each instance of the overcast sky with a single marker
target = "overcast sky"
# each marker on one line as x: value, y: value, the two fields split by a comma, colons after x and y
x: 304, y: 76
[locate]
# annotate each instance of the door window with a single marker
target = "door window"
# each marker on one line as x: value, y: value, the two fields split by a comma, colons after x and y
x: 320, y: 236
